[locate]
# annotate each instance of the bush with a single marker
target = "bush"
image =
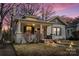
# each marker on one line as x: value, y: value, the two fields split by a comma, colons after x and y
x: 75, y: 35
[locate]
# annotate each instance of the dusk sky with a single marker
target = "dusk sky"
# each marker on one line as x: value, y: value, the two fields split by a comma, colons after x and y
x: 70, y: 10
x: 67, y: 9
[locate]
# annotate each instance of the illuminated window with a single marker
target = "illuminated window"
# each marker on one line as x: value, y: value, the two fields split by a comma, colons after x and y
x: 28, y: 28
x: 56, y: 31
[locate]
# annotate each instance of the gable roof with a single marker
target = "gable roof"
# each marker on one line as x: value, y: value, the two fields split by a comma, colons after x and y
x: 73, y: 24
x: 58, y: 18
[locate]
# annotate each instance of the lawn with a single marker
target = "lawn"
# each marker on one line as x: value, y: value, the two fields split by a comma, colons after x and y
x: 42, y: 49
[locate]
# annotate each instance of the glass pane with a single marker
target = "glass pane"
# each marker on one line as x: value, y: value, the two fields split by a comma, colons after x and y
x: 54, y: 31
x: 58, y: 31
x: 28, y: 28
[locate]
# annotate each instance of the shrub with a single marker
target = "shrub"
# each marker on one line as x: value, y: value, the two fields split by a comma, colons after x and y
x: 75, y: 35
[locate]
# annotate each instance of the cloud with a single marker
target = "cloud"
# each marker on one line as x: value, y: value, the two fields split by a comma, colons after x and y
x: 63, y: 6
x: 74, y: 15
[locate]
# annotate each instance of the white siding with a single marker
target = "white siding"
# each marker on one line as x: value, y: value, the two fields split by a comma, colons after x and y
x: 63, y: 32
x: 78, y: 27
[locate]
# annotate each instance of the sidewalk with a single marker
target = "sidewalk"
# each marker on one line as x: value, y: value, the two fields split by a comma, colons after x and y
x: 8, y: 51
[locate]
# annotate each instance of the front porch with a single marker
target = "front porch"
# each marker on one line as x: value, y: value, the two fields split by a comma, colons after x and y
x: 31, y: 30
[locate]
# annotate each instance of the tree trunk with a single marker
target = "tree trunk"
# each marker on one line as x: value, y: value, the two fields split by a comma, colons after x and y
x: 1, y: 18
x: 1, y: 33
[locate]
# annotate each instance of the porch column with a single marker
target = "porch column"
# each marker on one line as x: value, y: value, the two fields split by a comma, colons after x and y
x: 19, y: 27
x: 41, y: 31
x: 19, y: 34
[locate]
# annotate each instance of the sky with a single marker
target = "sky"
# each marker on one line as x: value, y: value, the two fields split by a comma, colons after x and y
x: 67, y: 9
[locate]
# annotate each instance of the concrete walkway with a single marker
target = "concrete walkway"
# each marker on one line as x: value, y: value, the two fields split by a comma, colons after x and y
x: 7, y: 51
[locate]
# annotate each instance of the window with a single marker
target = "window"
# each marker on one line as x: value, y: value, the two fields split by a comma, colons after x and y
x: 28, y: 28
x: 68, y: 31
x: 56, y: 31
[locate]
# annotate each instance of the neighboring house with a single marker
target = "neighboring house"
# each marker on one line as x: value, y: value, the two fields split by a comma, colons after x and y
x: 78, y: 27
x: 72, y: 28
x: 58, y: 29
x: 77, y: 30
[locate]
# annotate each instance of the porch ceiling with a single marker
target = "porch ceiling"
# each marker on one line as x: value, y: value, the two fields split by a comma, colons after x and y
x: 36, y: 22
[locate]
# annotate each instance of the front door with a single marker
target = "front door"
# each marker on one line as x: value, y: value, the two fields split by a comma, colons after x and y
x: 31, y: 29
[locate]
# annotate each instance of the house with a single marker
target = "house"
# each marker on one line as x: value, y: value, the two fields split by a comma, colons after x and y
x: 72, y: 29
x: 55, y: 28
x: 77, y: 29
x: 30, y: 24
x: 58, y: 29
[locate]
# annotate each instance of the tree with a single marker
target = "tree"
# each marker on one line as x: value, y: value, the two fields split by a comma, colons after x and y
x: 41, y: 10
x: 47, y: 11
x: 5, y: 9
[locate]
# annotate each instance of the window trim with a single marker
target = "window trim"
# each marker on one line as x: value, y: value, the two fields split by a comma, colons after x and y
x: 57, y: 31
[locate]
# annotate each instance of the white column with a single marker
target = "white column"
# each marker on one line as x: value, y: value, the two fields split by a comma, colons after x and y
x: 19, y: 34
x: 19, y: 27
x: 41, y: 31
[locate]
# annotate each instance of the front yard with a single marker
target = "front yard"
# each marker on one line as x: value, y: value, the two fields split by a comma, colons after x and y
x: 42, y: 49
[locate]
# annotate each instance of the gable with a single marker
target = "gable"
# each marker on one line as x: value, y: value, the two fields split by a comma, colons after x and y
x: 58, y: 21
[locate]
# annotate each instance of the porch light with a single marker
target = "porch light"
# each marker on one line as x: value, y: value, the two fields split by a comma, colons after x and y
x: 33, y: 24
